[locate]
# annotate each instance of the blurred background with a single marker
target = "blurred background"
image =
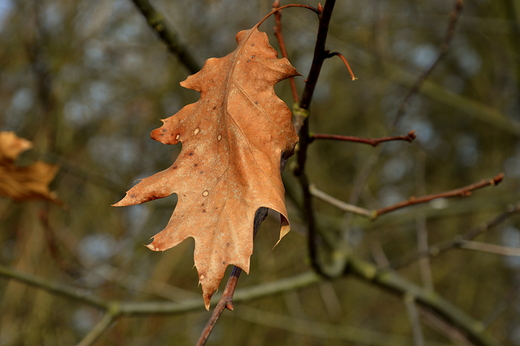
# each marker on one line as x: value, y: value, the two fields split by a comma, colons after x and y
x: 86, y: 82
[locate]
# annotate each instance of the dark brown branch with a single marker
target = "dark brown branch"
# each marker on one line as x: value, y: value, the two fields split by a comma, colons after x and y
x: 461, y: 192
x: 445, y: 46
x: 301, y: 124
x: 320, y: 54
x: 161, y: 27
x: 371, y: 141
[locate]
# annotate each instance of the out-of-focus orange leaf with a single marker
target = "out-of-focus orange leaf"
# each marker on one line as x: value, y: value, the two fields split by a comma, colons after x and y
x: 23, y: 183
x: 11, y: 146
x: 233, y: 139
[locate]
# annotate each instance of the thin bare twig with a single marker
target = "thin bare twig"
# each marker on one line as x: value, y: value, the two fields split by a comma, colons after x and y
x: 73, y: 293
x: 340, y: 204
x: 338, y: 54
x: 422, y: 245
x: 99, y: 329
x: 489, y: 248
x: 158, y: 23
x: 283, y: 48
x: 461, y: 192
x: 422, y: 228
x: 444, y: 327
x: 373, y: 214
x: 445, y: 46
x: 277, y: 9
x: 378, y: 254
x: 441, y: 247
x: 225, y: 302
x: 155, y: 307
x: 371, y: 141
x: 413, y: 316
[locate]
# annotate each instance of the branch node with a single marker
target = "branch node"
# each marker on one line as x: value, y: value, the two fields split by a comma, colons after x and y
x: 320, y: 9
x: 498, y: 179
x: 411, y: 136
x: 229, y: 305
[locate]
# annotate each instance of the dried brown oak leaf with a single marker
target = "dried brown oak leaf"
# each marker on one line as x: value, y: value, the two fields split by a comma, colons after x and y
x: 27, y: 182
x: 233, y: 139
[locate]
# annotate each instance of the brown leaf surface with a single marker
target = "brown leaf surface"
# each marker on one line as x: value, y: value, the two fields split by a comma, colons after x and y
x: 233, y: 138
x: 23, y: 183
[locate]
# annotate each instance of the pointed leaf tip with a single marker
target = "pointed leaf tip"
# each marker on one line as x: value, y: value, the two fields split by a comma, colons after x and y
x: 152, y: 247
x: 207, y: 301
